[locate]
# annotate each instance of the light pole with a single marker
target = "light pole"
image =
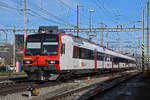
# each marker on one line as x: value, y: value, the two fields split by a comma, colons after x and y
x: 147, y: 35
x: 25, y: 19
x: 90, y: 18
x: 77, y: 20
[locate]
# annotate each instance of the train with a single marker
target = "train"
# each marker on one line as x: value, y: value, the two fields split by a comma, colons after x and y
x: 51, y: 53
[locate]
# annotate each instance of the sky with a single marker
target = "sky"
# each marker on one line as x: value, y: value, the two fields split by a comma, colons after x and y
x: 62, y: 13
x: 111, y: 12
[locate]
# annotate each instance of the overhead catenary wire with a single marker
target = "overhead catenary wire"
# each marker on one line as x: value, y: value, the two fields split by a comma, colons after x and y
x: 2, y: 4
x: 17, y: 2
x: 45, y: 18
x: 56, y: 17
x: 98, y: 4
x: 8, y: 9
x: 5, y: 5
x: 107, y: 12
x: 50, y: 14
x: 44, y: 11
x: 62, y: 2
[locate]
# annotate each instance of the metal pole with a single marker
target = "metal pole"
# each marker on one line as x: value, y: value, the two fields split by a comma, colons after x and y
x: 143, y: 40
x: 25, y: 19
x: 77, y: 20
x: 6, y: 37
x: 14, y: 47
x: 90, y: 21
x: 101, y: 34
x: 147, y: 34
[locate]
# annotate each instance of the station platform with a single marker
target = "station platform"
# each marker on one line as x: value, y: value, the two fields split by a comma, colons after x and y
x: 137, y: 88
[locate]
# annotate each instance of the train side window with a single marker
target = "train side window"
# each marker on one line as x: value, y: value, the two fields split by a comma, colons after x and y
x: 115, y: 60
x: 91, y: 54
x: 75, y: 52
x: 100, y: 57
x: 63, y: 48
x: 86, y: 54
x: 82, y: 53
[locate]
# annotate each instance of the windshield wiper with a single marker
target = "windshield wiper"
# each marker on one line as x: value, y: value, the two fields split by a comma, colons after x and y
x: 53, y: 52
x: 49, y: 53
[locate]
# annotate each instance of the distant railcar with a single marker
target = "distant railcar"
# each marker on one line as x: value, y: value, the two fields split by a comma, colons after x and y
x: 64, y: 55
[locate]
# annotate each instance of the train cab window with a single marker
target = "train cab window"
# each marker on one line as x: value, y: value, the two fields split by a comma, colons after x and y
x: 50, y: 45
x: 33, y: 45
x: 62, y: 48
x: 34, y: 38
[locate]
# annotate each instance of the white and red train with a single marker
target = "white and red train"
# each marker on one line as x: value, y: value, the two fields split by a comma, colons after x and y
x: 64, y: 55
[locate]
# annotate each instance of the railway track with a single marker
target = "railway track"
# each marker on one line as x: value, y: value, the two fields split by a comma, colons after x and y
x: 13, y: 78
x: 11, y: 85
x: 69, y: 90
x: 15, y: 87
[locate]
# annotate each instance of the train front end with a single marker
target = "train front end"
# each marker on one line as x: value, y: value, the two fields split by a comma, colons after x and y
x: 41, y: 56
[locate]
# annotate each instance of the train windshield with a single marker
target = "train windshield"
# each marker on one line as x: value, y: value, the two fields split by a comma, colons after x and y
x: 42, y: 44
x: 50, y: 45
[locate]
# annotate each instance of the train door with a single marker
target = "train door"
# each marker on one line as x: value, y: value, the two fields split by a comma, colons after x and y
x: 112, y: 63
x: 100, y: 60
x: 95, y: 59
x: 103, y: 63
x: 115, y: 63
x: 65, y: 56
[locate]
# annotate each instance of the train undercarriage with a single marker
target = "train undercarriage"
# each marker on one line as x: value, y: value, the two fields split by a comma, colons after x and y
x: 40, y: 75
x: 48, y: 75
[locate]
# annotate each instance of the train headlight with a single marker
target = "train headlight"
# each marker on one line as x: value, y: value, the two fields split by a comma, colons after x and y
x: 53, y: 62
x: 27, y: 62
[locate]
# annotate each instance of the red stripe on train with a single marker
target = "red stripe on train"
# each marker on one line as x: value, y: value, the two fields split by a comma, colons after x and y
x: 95, y: 62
